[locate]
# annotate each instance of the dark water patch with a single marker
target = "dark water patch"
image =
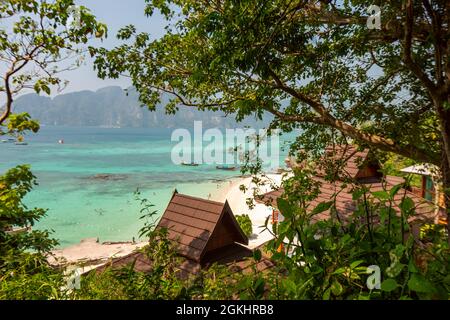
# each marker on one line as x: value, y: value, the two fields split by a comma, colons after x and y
x: 106, y: 177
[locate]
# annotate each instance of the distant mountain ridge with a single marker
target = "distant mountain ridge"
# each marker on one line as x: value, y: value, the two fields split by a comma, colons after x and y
x: 112, y: 107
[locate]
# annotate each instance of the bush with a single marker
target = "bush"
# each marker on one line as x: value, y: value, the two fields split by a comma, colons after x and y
x: 246, y: 224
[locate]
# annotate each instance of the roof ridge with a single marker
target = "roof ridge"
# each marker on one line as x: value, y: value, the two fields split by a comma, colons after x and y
x: 200, y: 199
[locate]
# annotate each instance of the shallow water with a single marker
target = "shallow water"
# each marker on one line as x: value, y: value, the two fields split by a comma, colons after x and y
x: 81, y: 203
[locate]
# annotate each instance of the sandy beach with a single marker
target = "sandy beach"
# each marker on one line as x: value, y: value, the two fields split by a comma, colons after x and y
x: 92, y: 252
x: 259, y: 213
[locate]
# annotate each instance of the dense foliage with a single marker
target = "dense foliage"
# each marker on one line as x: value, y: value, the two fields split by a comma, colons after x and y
x: 33, y: 46
x: 330, y: 259
x: 324, y: 260
x: 341, y: 80
x: 245, y: 223
x: 314, y: 65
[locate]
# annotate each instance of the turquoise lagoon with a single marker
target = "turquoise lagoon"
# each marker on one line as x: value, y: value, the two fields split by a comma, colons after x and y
x: 88, y: 183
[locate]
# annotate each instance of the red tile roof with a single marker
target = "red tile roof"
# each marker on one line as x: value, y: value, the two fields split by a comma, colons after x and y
x: 347, y: 162
x: 345, y: 205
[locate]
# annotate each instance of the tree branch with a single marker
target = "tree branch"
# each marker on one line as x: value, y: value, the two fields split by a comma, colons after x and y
x: 407, y: 54
x: 324, y: 118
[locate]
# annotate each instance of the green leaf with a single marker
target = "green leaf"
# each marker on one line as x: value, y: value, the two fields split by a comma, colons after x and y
x: 326, y: 294
x: 412, y: 267
x: 357, y: 194
x: 257, y: 255
x: 395, y: 190
x: 407, y: 205
x: 340, y: 270
x: 46, y: 89
x: 321, y: 207
x: 285, y: 208
x: 356, y: 263
x: 389, y: 285
x: 259, y: 287
x: 337, y: 288
x: 419, y: 283
x: 395, y: 269
x: 447, y: 280
x: 382, y: 195
x: 290, y: 286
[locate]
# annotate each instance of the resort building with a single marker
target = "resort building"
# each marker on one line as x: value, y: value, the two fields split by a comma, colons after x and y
x: 205, y: 232
x: 431, y: 188
x: 340, y: 170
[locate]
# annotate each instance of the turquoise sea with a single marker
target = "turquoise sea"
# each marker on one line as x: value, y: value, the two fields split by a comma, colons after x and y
x: 88, y: 183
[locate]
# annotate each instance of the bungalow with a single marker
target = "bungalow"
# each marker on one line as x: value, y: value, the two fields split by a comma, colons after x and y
x: 205, y: 232
x: 341, y: 169
x: 430, y: 187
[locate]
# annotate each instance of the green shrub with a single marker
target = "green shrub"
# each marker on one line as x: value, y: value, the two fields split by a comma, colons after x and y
x: 245, y: 223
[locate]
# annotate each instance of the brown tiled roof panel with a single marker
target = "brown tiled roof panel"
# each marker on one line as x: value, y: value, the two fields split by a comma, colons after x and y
x: 189, y: 252
x: 191, y: 222
x: 190, y: 266
x: 339, y: 154
x: 183, y: 229
x: 344, y: 199
x: 186, y: 240
x: 187, y: 221
x: 197, y: 203
x: 193, y: 213
x: 394, y: 180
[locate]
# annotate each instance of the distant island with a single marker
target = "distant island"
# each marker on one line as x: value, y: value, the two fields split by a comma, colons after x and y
x: 112, y: 107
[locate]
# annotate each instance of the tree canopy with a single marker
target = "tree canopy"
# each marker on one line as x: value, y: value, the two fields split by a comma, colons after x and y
x: 37, y: 44
x: 314, y: 65
x: 378, y: 87
x: 43, y: 38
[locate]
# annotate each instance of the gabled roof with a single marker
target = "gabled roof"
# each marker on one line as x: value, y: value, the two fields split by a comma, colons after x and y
x: 422, y: 169
x: 345, y: 205
x: 192, y: 222
x: 206, y: 232
x: 347, y: 161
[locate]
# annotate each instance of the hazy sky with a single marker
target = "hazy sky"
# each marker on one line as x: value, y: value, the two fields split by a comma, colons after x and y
x: 116, y: 14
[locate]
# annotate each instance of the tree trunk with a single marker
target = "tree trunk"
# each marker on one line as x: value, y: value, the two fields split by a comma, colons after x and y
x: 443, y: 112
x: 446, y: 188
x: 445, y: 165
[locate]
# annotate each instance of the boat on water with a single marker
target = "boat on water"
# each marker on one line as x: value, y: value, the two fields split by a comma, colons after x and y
x: 20, y: 142
x: 61, y: 141
x: 225, y: 167
x: 9, y: 140
x: 17, y: 230
x: 189, y: 164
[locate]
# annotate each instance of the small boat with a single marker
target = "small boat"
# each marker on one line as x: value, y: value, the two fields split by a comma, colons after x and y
x: 61, y: 141
x: 17, y: 230
x: 225, y: 167
x: 20, y: 142
x: 191, y: 164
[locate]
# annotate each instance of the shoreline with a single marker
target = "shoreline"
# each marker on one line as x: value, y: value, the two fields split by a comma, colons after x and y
x: 92, y: 251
